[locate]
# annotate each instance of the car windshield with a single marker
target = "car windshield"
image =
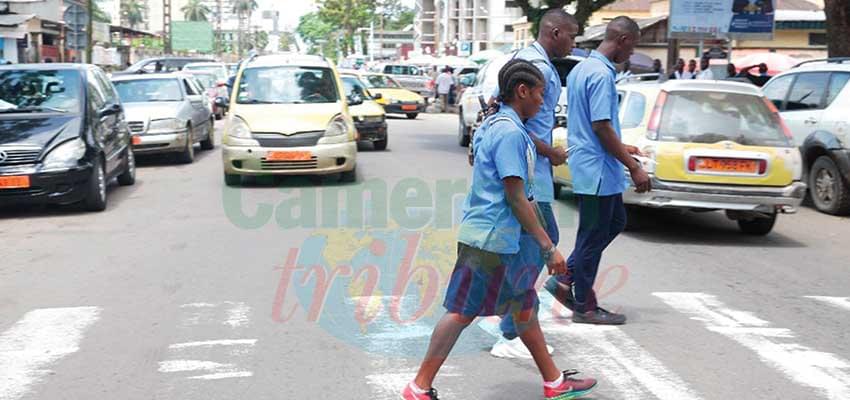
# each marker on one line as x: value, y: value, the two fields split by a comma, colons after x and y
x: 711, y: 117
x: 354, y: 86
x: 381, y: 82
x: 207, y: 80
x: 144, y: 90
x: 287, y: 85
x: 39, y: 91
x: 218, y: 70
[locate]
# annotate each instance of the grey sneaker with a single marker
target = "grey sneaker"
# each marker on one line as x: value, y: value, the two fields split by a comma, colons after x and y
x: 600, y: 316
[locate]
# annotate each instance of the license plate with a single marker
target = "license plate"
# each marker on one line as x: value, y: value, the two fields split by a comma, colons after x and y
x: 14, y: 182
x: 289, y: 156
x: 137, y: 140
x: 726, y: 165
x: 409, y: 107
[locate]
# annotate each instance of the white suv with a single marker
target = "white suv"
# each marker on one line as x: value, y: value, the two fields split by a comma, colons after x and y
x: 814, y: 99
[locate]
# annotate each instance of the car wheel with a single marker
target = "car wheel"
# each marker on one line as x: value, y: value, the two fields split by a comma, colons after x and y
x: 128, y: 177
x: 349, y: 176
x: 462, y: 130
x: 381, y: 144
x: 412, y: 115
x: 188, y: 154
x: 95, y: 199
x: 209, y: 142
x: 232, y: 179
x: 757, y: 226
x: 828, y: 190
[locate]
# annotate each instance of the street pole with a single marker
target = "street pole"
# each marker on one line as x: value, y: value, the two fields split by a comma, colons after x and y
x: 372, y: 41
x: 89, y: 30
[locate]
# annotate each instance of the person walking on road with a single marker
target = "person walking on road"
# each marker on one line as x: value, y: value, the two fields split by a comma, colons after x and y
x: 444, y: 84
x: 500, y: 241
x: 597, y: 164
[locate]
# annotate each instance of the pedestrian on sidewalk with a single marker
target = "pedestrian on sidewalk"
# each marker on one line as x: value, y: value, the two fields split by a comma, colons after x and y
x: 679, y: 71
x: 500, y: 241
x: 597, y: 164
x: 444, y: 85
x: 705, y: 72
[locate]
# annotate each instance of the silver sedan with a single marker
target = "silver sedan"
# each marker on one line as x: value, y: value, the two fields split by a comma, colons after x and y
x: 166, y: 113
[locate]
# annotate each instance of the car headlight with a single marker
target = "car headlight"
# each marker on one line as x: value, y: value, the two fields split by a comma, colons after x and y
x: 166, y: 124
x: 337, y: 127
x: 238, y: 128
x: 66, y: 155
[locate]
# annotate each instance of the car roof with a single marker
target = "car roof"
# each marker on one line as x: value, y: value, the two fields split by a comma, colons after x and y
x: 819, y: 67
x: 291, y: 59
x: 139, y: 77
x: 204, y: 64
x: 48, y: 66
x: 674, y: 85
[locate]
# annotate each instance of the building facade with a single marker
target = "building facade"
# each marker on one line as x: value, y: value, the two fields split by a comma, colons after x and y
x: 464, y: 26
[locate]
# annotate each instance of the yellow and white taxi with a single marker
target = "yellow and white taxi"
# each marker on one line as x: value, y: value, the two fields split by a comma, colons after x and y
x: 392, y: 96
x: 709, y: 145
x: 289, y: 116
x: 369, y: 117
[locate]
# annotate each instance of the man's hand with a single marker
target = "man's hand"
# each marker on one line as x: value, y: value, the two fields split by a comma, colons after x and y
x: 557, y: 265
x: 640, y: 179
x: 633, y: 150
x: 558, y: 156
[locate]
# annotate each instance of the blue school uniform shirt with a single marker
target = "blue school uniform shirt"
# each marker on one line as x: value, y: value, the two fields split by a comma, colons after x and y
x: 541, y: 125
x: 592, y: 98
x: 502, y: 149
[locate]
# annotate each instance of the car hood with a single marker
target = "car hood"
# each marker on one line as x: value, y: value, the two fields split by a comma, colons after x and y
x: 396, y: 94
x: 288, y: 118
x: 151, y: 110
x: 39, y: 131
x: 367, y: 109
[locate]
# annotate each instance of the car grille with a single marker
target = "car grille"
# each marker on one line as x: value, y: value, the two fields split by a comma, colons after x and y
x: 19, y: 156
x: 373, y: 120
x: 136, y: 126
x: 312, y: 163
x: 299, y: 139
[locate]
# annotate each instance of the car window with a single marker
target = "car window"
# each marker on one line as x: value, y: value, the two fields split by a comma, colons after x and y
x: 634, y: 111
x: 777, y: 90
x: 808, y: 91
x: 108, y: 91
x: 381, y: 81
x: 836, y: 83
x: 174, y: 65
x: 711, y: 117
x: 151, y: 67
x: 96, y: 97
x: 196, y: 85
x: 190, y: 89
x: 353, y: 85
x: 52, y: 90
x: 148, y: 90
x: 287, y: 85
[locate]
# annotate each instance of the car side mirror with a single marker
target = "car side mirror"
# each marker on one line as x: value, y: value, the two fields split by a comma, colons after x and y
x: 110, y: 109
x: 195, y: 98
x: 377, y: 96
x: 355, y: 100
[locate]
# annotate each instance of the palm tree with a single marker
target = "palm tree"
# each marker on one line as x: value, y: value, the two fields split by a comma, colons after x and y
x: 243, y: 9
x: 195, y: 10
x: 133, y: 12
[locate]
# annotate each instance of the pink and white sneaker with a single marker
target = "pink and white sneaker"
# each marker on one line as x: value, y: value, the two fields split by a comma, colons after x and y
x: 413, y: 392
x: 570, y: 388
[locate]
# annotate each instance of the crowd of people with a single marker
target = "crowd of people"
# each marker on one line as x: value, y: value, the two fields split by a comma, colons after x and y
x: 681, y: 70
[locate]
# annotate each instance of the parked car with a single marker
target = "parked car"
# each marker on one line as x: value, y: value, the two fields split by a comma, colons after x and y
x: 167, y: 113
x: 394, y: 98
x: 814, y: 99
x: 215, y: 90
x: 409, y: 77
x: 63, y: 136
x: 289, y: 116
x: 710, y: 145
x: 160, y: 65
x: 369, y: 117
x: 218, y: 69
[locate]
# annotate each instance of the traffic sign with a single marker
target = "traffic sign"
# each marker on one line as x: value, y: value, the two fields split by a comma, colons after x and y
x: 76, y: 17
x: 76, y: 40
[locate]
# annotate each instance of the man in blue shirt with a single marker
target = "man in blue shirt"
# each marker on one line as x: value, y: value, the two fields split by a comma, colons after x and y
x: 597, y: 165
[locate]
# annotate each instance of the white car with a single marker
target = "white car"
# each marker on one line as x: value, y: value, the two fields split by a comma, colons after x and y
x: 218, y: 69
x: 813, y: 99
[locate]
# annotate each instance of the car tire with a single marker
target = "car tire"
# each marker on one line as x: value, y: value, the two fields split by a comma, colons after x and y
x: 128, y: 177
x: 757, y: 226
x: 95, y: 199
x: 829, y: 191
x: 412, y: 115
x: 349, y: 176
x: 209, y: 142
x: 462, y: 131
x: 381, y: 144
x: 232, y: 179
x: 188, y: 154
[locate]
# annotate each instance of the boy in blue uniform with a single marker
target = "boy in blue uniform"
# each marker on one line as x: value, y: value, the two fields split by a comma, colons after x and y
x: 492, y: 276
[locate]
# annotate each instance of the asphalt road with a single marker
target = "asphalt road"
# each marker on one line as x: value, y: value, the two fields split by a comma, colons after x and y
x: 295, y: 289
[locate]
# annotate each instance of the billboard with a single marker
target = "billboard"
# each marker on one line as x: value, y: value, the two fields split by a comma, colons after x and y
x: 722, y: 19
x: 192, y: 36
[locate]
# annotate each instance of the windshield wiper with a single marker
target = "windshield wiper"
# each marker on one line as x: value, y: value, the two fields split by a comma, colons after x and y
x: 255, y: 101
x: 29, y: 109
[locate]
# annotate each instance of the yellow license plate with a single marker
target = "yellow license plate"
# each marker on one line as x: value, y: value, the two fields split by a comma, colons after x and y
x: 289, y: 156
x: 726, y: 165
x: 14, y: 182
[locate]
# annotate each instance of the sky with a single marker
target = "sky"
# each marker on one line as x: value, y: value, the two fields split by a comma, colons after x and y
x: 291, y: 10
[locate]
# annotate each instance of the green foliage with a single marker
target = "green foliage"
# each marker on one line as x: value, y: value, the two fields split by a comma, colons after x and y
x: 584, y: 9
x: 99, y: 15
x: 133, y: 12
x: 196, y: 10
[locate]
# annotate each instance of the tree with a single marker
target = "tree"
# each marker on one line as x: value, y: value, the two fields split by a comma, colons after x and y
x: 348, y: 15
x: 838, y: 27
x: 196, y: 10
x: 287, y: 39
x: 584, y: 9
x: 99, y: 15
x: 243, y: 10
x: 316, y: 33
x: 260, y: 40
x: 133, y: 12
x: 393, y: 15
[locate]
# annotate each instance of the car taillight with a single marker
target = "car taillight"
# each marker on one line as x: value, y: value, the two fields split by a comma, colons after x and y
x: 774, y: 112
x: 692, y: 164
x: 655, y: 118
x: 762, y: 167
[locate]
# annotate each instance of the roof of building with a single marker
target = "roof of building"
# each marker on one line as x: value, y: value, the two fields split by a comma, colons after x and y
x: 14, y: 19
x: 800, y: 5
x: 597, y: 32
x: 629, y: 5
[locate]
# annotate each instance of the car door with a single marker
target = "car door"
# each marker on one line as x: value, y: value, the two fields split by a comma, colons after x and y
x: 835, y: 118
x: 101, y: 126
x: 118, y: 135
x: 803, y: 107
x: 196, y: 103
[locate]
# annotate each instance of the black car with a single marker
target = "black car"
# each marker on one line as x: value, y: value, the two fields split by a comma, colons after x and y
x: 161, y: 65
x: 63, y: 136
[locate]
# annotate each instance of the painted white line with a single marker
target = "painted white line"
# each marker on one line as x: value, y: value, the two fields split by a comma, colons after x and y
x: 388, y: 385
x: 840, y: 302
x: 210, y: 343
x: 824, y: 372
x: 238, y: 315
x: 170, y: 366
x: 223, y: 375
x: 39, y: 339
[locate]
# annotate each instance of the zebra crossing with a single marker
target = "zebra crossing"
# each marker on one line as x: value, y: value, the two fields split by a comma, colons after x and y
x: 40, y: 339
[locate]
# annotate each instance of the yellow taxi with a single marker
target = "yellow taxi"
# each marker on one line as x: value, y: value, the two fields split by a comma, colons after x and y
x: 709, y: 145
x: 289, y: 116
x: 393, y: 97
x: 369, y: 117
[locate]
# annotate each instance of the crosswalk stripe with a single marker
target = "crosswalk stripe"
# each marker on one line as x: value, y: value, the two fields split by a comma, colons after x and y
x: 840, y: 302
x: 39, y: 339
x: 821, y: 371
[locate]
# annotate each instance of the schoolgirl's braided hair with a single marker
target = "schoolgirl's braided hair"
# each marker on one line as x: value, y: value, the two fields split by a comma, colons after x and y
x: 516, y: 72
